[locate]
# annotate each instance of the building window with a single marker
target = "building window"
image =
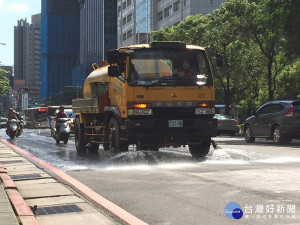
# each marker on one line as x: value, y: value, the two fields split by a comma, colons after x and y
x: 176, y: 6
x: 129, y: 34
x: 160, y: 15
x: 210, y: 2
x: 184, y: 3
x: 119, y: 10
x: 168, y: 11
x: 128, y: 3
x: 124, y: 5
x: 124, y: 21
x: 129, y: 17
x: 124, y: 37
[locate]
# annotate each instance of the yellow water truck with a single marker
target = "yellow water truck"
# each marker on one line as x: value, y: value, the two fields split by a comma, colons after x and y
x: 151, y: 95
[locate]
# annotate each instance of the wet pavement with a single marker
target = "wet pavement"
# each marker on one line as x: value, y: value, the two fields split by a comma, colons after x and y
x: 170, y: 187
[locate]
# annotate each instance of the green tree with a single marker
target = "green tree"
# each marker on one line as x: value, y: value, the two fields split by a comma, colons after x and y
x: 292, y: 21
x: 238, y: 77
x: 264, y: 20
x: 4, y: 83
x: 289, y: 81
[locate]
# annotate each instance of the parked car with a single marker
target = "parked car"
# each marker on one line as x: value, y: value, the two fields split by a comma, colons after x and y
x: 226, y: 125
x: 3, y: 121
x: 276, y: 120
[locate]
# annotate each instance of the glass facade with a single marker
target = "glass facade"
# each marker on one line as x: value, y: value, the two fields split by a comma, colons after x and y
x: 143, y: 20
x: 98, y: 29
x: 59, y: 44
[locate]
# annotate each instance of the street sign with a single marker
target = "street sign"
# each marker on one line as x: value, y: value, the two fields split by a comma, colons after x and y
x: 24, y: 101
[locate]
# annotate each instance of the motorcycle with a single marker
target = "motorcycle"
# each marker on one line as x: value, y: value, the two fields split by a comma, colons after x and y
x: 60, y: 130
x: 13, y: 129
x: 20, y: 130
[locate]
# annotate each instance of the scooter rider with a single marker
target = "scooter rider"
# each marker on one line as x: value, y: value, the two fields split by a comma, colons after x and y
x: 61, y: 114
x: 11, y: 115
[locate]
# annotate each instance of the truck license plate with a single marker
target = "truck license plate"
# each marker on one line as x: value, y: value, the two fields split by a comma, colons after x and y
x: 175, y: 123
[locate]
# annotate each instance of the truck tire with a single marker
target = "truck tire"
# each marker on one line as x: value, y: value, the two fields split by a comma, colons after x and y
x: 114, y: 136
x: 80, y: 143
x: 106, y: 147
x: 123, y: 146
x: 200, y: 150
x: 93, y: 147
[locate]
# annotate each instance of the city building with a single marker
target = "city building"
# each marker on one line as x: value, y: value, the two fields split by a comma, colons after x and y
x: 136, y: 18
x: 27, y: 56
x: 98, y: 34
x: 60, y: 26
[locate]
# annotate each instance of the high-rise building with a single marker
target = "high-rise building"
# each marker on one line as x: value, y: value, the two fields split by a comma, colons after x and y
x: 98, y: 34
x: 27, y: 55
x: 59, y: 44
x: 136, y: 18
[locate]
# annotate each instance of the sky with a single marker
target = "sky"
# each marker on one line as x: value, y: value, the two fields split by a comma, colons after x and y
x: 10, y: 12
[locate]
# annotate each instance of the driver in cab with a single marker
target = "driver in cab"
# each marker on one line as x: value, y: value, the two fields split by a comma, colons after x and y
x: 185, y: 69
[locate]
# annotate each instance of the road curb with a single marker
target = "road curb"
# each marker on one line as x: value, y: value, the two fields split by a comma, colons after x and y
x: 23, y: 213
x: 94, y: 197
x: 8, y: 183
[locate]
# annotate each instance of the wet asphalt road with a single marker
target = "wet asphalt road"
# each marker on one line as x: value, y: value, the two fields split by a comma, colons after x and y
x: 169, y: 187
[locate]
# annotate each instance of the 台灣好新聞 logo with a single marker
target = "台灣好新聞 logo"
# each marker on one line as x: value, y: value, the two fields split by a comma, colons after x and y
x: 233, y: 211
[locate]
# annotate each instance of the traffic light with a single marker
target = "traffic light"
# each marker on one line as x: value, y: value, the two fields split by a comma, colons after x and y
x: 35, y: 103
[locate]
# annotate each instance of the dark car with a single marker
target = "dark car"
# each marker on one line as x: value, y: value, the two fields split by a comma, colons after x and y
x: 226, y: 125
x: 276, y: 120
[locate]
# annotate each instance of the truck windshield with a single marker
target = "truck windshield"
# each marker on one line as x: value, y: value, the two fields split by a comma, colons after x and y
x: 169, y: 67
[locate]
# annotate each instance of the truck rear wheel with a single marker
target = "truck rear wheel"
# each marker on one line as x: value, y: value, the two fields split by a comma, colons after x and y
x: 200, y: 150
x: 79, y: 137
x: 93, y: 147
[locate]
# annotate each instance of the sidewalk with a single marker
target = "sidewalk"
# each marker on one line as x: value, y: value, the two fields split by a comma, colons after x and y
x: 30, y: 196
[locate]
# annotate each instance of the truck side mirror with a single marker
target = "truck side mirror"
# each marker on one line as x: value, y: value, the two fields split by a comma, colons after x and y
x: 113, y: 71
x: 219, y: 59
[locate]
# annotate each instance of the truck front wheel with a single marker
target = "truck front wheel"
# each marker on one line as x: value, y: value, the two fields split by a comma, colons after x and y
x: 79, y: 137
x: 114, y: 136
x: 200, y: 150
